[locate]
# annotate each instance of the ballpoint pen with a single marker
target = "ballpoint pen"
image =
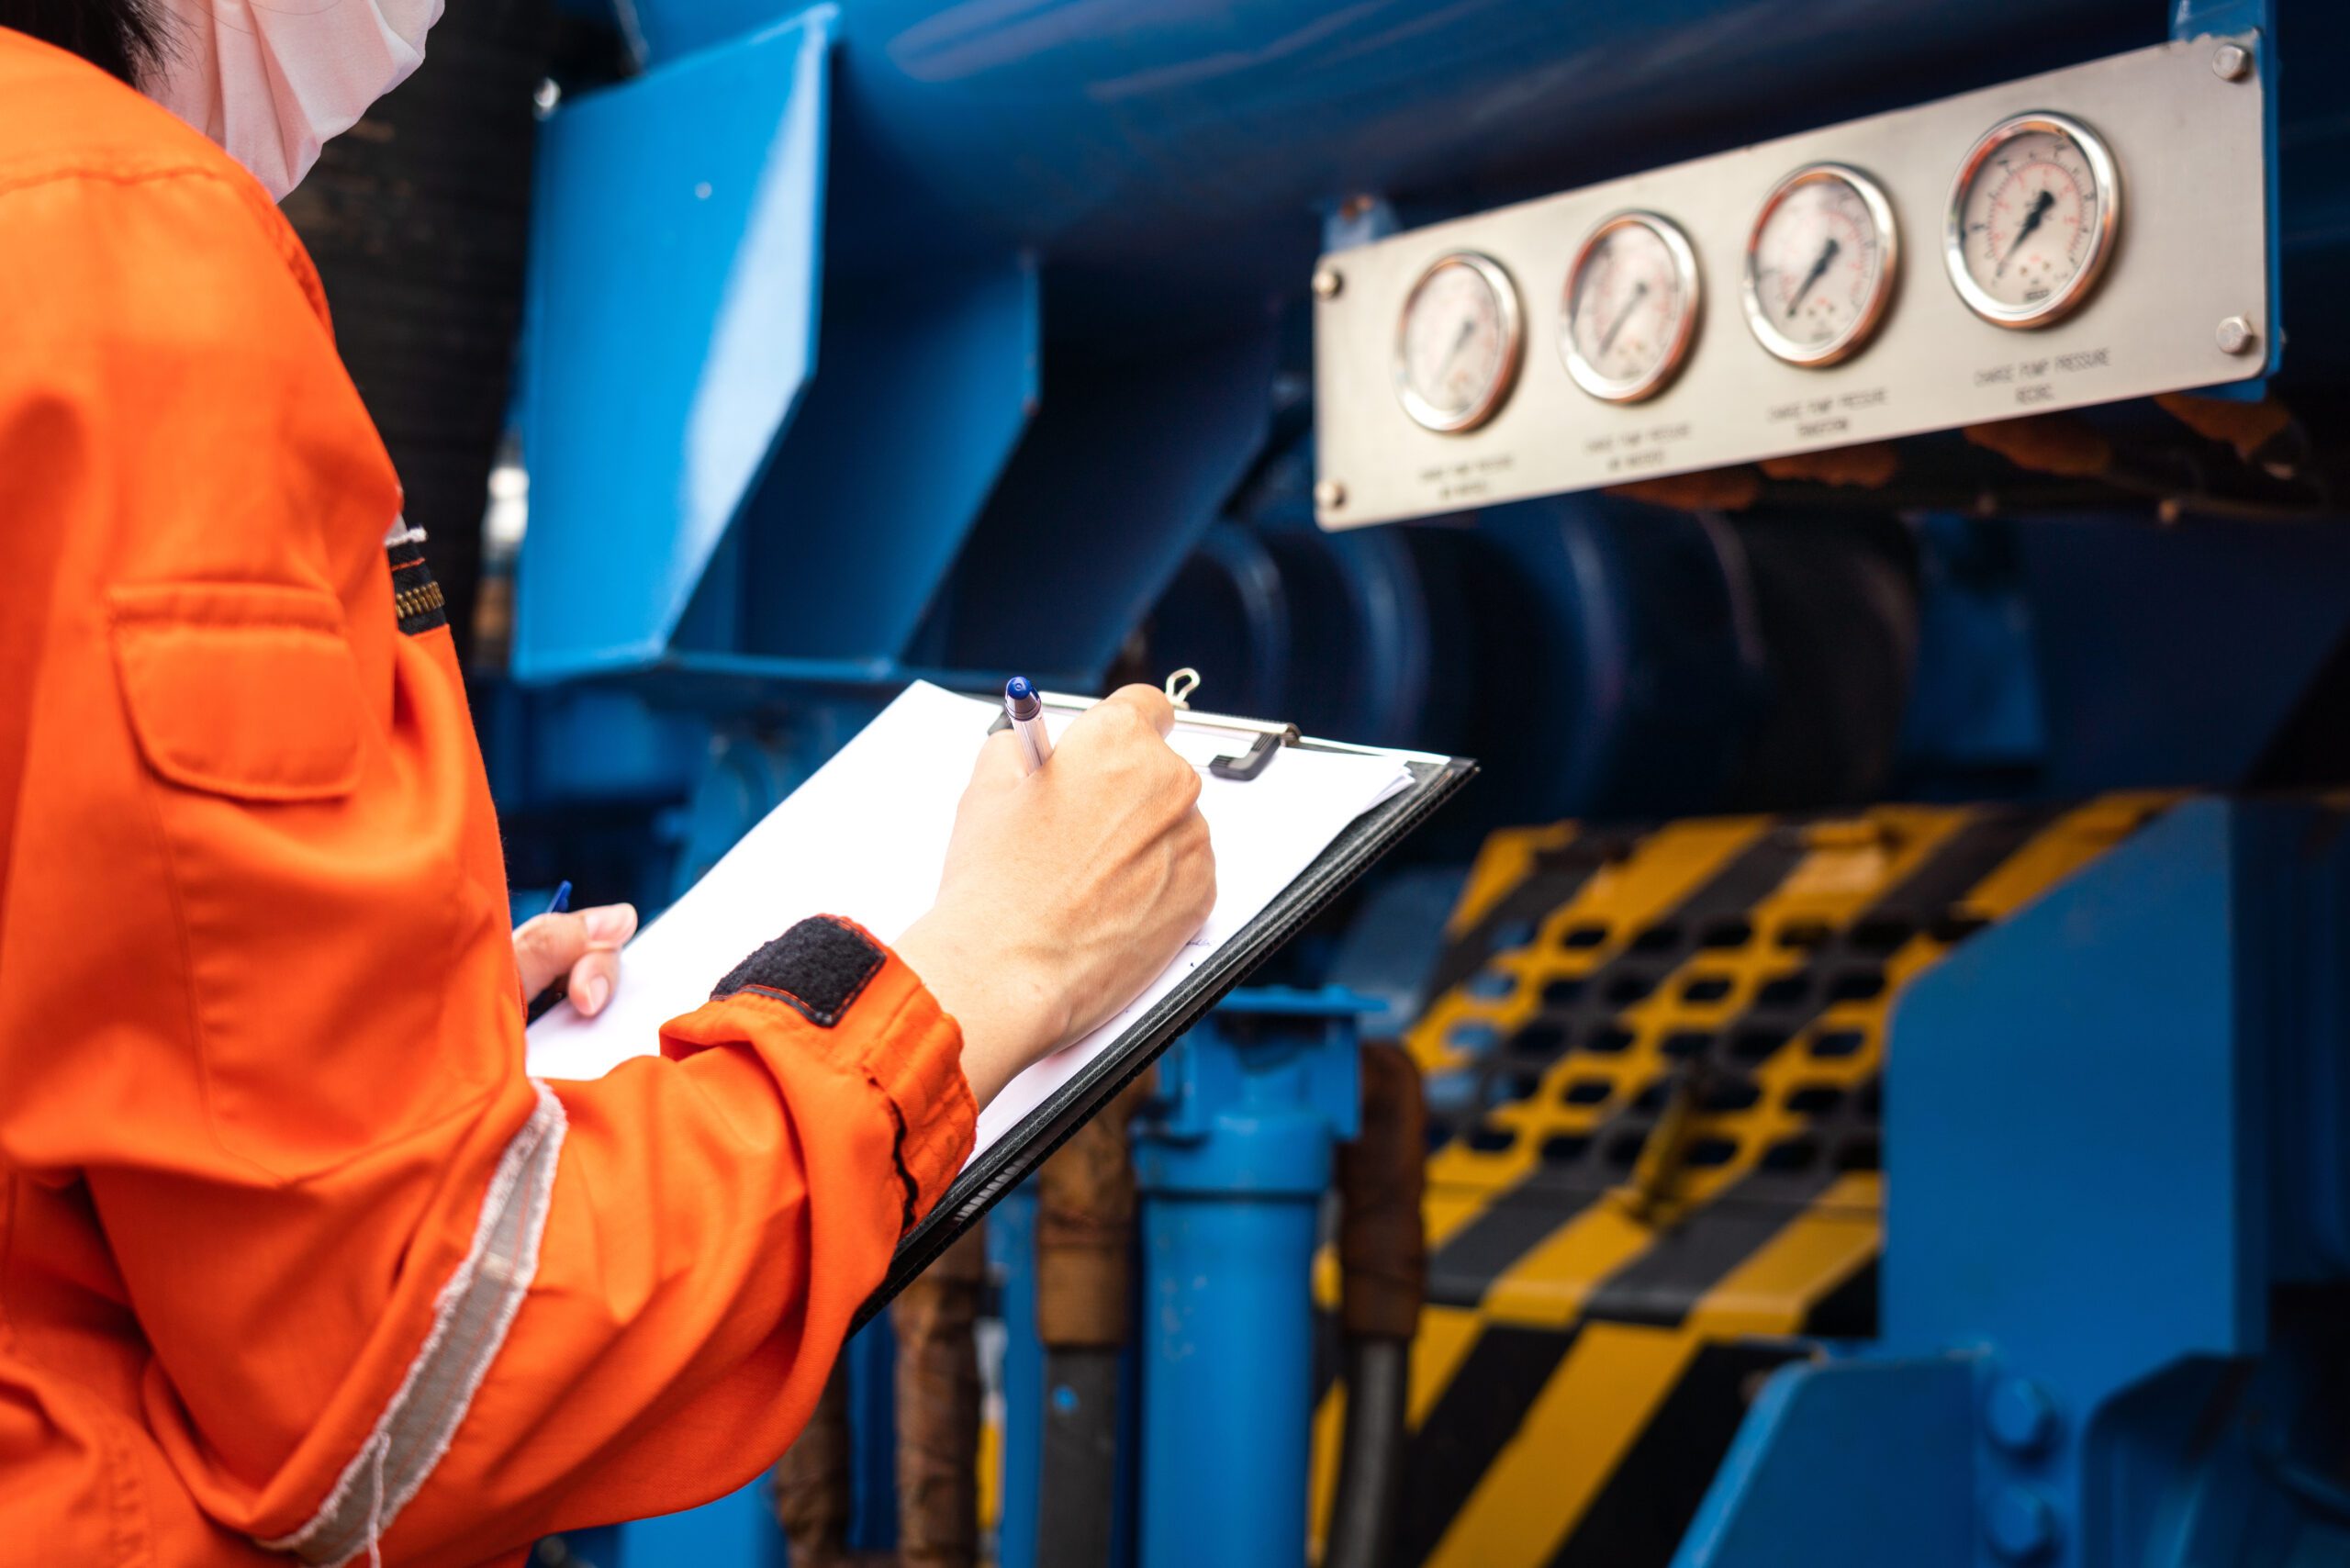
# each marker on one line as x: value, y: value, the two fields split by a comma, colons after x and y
x: 559, y: 905
x: 1026, y: 709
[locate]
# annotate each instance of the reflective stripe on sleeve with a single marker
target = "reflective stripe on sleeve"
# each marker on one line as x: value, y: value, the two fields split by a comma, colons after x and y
x: 469, y: 1323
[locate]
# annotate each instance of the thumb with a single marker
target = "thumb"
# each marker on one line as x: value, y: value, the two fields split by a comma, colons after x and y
x: 546, y: 947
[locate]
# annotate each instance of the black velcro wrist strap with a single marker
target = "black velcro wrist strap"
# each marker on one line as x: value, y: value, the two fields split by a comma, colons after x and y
x: 819, y: 967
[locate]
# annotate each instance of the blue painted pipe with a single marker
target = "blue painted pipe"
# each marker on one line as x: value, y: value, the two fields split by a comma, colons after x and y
x: 1231, y: 1162
x: 1227, y: 1397
x: 1011, y: 1247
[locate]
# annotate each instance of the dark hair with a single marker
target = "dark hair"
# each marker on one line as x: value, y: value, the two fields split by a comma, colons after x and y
x: 124, y: 36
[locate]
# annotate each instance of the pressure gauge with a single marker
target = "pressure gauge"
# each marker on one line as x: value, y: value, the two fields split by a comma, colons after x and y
x: 1457, y: 344
x: 2032, y: 220
x: 1820, y: 264
x: 1631, y: 307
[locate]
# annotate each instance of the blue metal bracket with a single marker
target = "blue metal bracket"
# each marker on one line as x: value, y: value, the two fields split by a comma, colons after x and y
x: 704, y: 501
x: 675, y: 259
x: 843, y: 550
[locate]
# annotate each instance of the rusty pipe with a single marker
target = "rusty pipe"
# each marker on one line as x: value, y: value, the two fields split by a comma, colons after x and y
x: 812, y: 1486
x: 1383, y: 1275
x: 938, y: 1409
x: 1085, y: 1225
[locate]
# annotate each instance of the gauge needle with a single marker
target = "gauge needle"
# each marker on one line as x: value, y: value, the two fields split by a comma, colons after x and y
x: 1468, y: 330
x: 1818, y: 270
x: 1608, y: 339
x: 2040, y: 206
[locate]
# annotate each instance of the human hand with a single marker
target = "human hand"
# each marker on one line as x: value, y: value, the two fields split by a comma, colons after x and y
x: 1066, y: 890
x: 583, y: 945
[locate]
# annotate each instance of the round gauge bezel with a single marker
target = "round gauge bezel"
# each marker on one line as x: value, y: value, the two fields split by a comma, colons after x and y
x: 2104, y: 173
x: 1638, y: 389
x: 1855, y: 337
x: 1513, y: 325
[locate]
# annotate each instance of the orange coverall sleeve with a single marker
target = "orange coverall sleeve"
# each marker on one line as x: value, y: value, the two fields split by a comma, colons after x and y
x: 260, y: 1030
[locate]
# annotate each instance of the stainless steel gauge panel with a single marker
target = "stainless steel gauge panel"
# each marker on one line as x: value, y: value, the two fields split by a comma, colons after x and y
x: 1631, y: 308
x: 2032, y: 220
x: 2193, y: 254
x: 1458, y: 342
x: 1822, y: 263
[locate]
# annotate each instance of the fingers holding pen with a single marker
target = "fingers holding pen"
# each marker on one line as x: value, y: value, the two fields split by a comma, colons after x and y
x: 582, y: 946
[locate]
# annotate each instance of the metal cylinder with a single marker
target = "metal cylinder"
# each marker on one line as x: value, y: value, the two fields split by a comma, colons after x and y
x: 1227, y: 1410
x: 1383, y: 1245
x: 1085, y: 1219
x: 814, y: 1490
x: 938, y: 1409
x: 1378, y: 1374
x: 1012, y: 1231
x: 1232, y: 1163
x: 1117, y: 138
x: 1085, y: 1223
x: 936, y: 1397
x: 1382, y: 1278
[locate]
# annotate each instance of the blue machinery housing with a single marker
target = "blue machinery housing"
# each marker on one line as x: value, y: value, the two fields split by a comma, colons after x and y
x: 839, y: 317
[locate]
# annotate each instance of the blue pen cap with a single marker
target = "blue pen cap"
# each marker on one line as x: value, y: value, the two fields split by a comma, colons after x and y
x: 1020, y: 698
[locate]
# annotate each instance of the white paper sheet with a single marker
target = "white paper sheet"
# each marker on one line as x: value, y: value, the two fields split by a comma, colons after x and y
x: 896, y: 786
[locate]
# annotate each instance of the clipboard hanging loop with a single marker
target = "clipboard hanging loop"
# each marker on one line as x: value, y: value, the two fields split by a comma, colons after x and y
x: 1240, y: 769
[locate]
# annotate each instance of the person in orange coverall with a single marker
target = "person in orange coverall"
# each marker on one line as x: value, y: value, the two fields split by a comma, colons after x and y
x: 295, y: 1258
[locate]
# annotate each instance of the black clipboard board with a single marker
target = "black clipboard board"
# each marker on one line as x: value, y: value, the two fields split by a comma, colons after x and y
x: 1018, y: 1153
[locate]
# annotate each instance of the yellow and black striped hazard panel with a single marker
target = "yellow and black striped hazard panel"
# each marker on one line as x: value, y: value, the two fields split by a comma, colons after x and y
x: 1653, y: 1064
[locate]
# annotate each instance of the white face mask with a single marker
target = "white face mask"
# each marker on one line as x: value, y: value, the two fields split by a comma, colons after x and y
x: 272, y: 80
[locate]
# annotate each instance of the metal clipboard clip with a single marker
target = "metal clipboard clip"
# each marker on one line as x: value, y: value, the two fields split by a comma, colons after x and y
x: 1265, y: 738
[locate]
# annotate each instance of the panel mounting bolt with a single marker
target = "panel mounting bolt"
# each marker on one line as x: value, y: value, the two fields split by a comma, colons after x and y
x: 1327, y: 282
x: 2020, y: 1525
x: 2020, y: 1416
x: 2235, y: 335
x: 1330, y: 494
x: 2232, y: 63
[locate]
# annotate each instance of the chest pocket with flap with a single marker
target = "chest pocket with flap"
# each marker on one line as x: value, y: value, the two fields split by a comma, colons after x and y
x: 240, y: 690
x: 322, y: 920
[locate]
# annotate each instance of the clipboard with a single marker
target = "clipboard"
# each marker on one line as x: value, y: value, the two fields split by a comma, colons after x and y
x: 1013, y: 1156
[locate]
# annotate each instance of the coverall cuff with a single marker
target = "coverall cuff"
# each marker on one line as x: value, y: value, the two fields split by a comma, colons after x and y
x: 918, y: 1063
x: 843, y: 994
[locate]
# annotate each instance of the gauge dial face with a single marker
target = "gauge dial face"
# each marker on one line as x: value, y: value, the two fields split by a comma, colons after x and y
x: 2032, y: 220
x: 1631, y: 307
x: 1820, y: 264
x: 1457, y: 344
